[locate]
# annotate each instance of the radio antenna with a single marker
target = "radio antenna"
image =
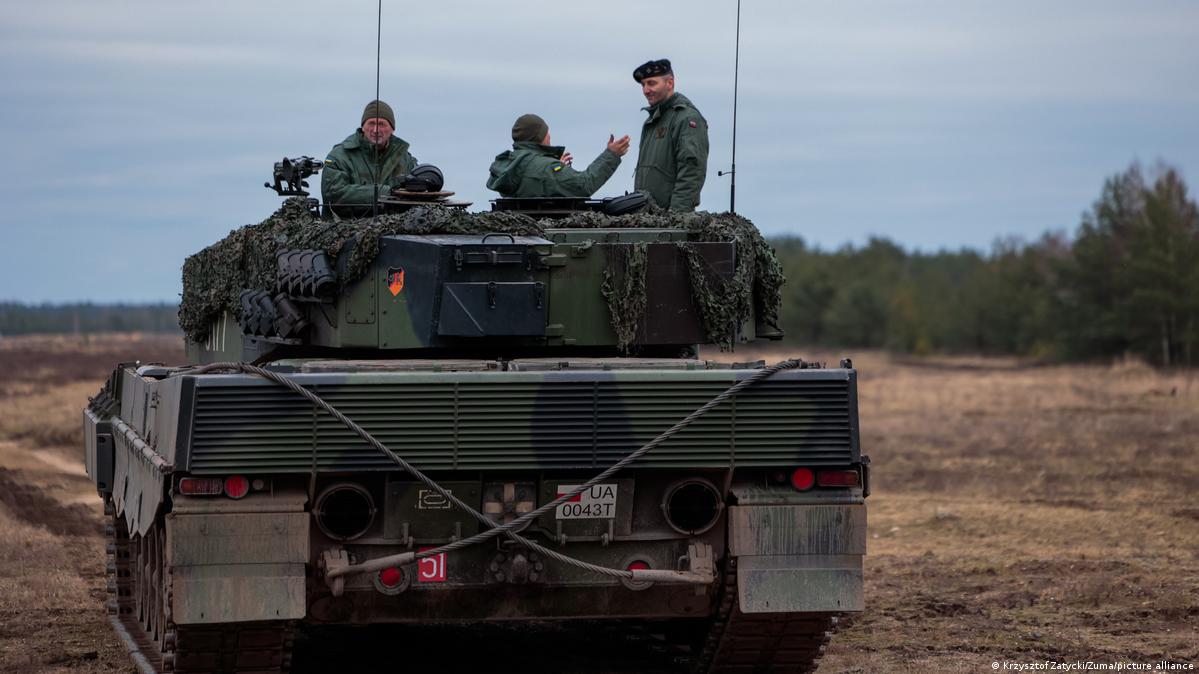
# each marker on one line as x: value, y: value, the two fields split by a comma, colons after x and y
x: 379, y: 155
x: 732, y: 172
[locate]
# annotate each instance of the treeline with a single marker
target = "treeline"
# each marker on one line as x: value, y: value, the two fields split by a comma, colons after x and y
x: 86, y: 318
x: 1127, y: 281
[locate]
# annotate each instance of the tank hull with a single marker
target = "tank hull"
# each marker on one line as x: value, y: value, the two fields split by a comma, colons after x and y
x: 505, y: 437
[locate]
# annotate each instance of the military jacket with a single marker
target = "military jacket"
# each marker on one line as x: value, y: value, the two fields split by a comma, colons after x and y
x: 672, y: 161
x: 349, y: 177
x: 533, y: 170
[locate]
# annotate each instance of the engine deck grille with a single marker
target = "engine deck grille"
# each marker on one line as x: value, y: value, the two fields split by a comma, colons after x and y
x: 498, y: 421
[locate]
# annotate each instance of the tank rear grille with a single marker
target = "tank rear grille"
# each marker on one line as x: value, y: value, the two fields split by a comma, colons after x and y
x: 480, y: 425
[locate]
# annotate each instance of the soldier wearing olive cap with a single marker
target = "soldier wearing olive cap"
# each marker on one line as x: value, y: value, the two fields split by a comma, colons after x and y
x: 368, y: 163
x: 534, y: 168
x: 672, y: 161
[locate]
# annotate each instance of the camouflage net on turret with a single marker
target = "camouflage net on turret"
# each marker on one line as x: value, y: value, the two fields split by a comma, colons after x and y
x: 624, y: 290
x: 755, y: 288
x: 214, y: 278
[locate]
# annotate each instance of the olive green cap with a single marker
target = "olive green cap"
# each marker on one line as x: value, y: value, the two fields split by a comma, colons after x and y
x: 530, y: 129
x: 378, y: 110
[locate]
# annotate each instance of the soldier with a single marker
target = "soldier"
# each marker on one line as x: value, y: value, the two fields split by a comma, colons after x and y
x: 534, y: 168
x: 367, y: 163
x: 673, y: 159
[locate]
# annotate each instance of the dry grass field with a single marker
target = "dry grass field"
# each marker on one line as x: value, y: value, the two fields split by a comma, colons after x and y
x: 1019, y: 513
x: 52, y: 592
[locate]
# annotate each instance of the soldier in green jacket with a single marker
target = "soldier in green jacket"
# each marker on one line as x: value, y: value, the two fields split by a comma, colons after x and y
x: 673, y: 159
x: 369, y: 162
x: 534, y: 168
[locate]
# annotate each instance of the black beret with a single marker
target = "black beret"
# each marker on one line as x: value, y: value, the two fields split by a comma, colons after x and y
x: 653, y: 69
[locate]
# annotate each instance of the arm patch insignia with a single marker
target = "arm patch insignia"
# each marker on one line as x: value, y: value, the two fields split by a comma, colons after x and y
x: 556, y: 166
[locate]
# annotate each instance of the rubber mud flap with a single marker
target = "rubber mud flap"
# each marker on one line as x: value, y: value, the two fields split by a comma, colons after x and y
x: 800, y: 583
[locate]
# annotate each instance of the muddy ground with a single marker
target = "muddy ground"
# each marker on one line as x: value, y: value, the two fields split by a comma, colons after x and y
x: 1020, y: 514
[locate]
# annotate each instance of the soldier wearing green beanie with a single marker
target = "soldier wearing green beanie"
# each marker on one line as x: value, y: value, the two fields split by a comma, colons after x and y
x: 369, y: 162
x: 534, y: 168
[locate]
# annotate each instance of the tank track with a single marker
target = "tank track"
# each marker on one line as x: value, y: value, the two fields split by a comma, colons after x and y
x: 159, y: 646
x: 761, y: 643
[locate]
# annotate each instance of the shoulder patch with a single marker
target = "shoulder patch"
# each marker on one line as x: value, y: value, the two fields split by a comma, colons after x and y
x: 691, y: 123
x: 556, y: 166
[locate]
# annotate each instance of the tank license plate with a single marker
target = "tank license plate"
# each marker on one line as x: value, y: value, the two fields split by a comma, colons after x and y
x: 596, y: 503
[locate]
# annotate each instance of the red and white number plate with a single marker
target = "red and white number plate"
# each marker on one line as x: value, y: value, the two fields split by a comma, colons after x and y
x: 597, y: 503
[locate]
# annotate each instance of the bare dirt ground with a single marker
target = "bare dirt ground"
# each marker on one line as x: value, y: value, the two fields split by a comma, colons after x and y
x: 1019, y: 514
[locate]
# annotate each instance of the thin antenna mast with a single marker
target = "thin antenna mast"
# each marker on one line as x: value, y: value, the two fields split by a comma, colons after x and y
x: 379, y: 155
x: 732, y: 172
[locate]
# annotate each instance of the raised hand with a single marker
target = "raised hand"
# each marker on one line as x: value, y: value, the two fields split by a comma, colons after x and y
x: 618, y: 147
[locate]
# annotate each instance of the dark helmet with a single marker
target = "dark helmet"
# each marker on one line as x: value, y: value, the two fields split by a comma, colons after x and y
x: 430, y: 175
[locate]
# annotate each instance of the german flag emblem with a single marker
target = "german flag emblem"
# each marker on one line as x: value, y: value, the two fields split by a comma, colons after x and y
x: 395, y: 280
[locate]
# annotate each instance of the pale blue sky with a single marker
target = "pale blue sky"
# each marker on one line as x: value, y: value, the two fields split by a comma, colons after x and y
x: 135, y: 133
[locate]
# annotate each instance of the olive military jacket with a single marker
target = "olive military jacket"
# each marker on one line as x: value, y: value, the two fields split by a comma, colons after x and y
x: 533, y: 170
x: 348, y: 179
x: 672, y: 161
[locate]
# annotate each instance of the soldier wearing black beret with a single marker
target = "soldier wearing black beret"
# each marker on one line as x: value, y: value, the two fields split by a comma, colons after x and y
x: 672, y: 161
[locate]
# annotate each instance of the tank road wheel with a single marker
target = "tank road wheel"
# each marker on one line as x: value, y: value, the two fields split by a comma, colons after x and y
x: 145, y: 583
x: 162, y: 602
x: 149, y: 574
x: 137, y: 577
x: 761, y: 643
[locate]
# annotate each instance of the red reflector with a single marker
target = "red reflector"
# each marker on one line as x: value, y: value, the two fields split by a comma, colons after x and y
x: 201, y: 486
x: 236, y: 486
x: 837, y: 478
x: 803, y: 479
x: 391, y: 577
x: 637, y: 565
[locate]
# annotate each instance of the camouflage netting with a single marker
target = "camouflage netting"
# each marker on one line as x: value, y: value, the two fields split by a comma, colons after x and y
x: 624, y: 290
x: 755, y: 288
x: 214, y: 278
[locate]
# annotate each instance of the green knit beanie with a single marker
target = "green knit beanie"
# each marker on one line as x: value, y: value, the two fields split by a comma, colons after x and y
x: 529, y: 129
x: 378, y: 110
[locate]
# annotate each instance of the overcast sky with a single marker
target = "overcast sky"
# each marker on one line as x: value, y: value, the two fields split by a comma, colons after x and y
x: 136, y: 133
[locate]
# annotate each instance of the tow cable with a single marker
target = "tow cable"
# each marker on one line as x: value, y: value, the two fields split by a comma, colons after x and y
x: 336, y: 571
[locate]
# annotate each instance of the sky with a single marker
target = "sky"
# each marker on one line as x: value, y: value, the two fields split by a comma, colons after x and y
x: 136, y: 133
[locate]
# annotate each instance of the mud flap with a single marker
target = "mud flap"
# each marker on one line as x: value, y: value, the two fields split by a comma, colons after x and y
x: 798, y: 558
x: 231, y: 566
x: 800, y: 583
x: 238, y: 593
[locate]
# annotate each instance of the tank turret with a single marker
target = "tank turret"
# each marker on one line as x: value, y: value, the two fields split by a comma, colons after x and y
x: 485, y: 285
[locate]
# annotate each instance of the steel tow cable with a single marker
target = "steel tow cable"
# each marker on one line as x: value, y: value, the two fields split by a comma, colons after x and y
x: 507, y: 529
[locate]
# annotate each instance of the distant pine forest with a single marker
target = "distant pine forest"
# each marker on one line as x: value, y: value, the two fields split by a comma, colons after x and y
x: 86, y: 318
x: 1126, y: 282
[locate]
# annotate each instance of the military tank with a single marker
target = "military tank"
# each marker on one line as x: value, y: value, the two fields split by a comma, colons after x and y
x: 438, y: 416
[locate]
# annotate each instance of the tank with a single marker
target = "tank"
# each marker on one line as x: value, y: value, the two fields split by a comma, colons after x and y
x: 438, y: 416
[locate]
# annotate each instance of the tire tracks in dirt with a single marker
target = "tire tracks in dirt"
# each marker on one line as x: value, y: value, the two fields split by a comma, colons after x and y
x: 28, y: 502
